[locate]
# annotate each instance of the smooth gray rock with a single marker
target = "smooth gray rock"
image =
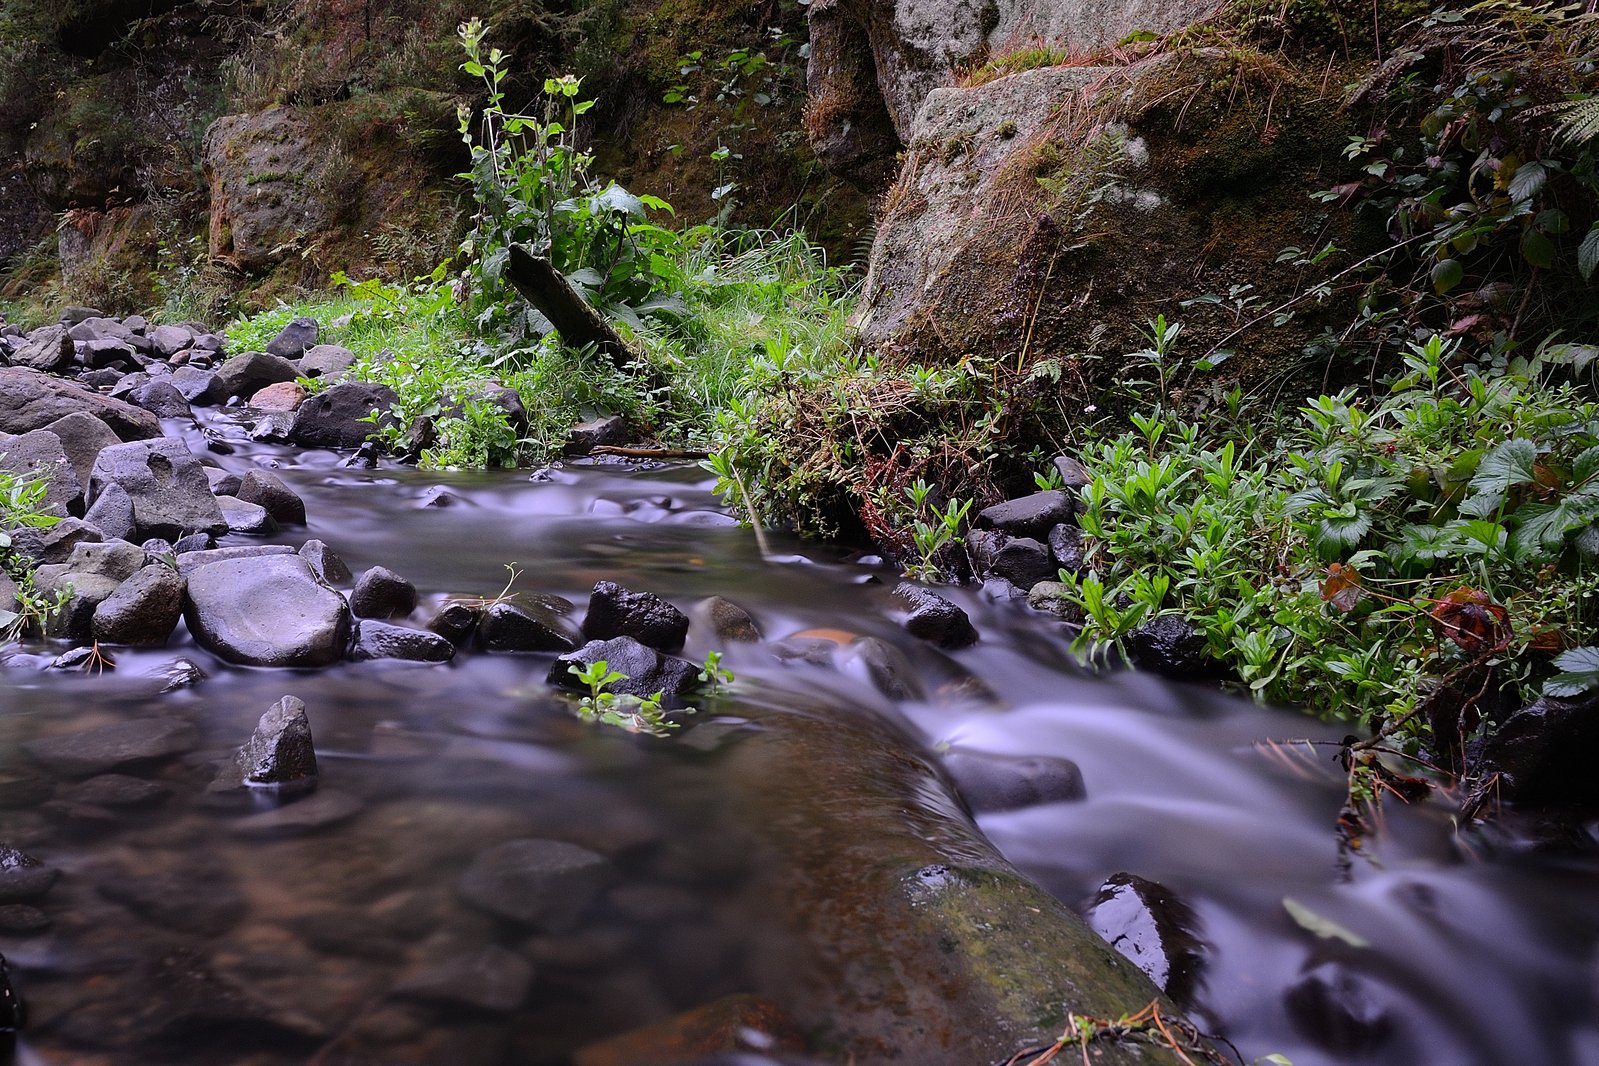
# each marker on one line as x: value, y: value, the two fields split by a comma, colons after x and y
x: 727, y: 621
x: 223, y: 482
x: 170, y: 493
x: 91, y: 574
x: 546, y: 884
x: 934, y: 618
x: 338, y: 417
x: 30, y: 400
x: 648, y: 670
x: 162, y: 399
x: 380, y: 640
x: 266, y: 611
x: 83, y: 436
x: 191, y: 560
x: 268, y: 490
x: 112, y: 747
x: 280, y: 752
x: 199, y: 386
x: 381, y: 593
x: 1053, y: 597
x: 618, y: 612
x: 143, y: 610
x: 170, y: 340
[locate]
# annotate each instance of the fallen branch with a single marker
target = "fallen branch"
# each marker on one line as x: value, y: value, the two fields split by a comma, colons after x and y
x: 578, y: 323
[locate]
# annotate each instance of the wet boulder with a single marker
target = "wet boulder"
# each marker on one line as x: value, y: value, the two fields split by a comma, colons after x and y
x: 30, y: 400
x: 266, y: 611
x: 618, y: 612
x: 1155, y: 929
x: 144, y: 609
x: 170, y: 493
x: 266, y: 489
x: 1545, y: 753
x: 647, y: 670
x: 83, y: 437
x: 527, y: 624
x: 381, y: 593
x: 1023, y: 561
x: 325, y: 562
x: 341, y: 416
x: 546, y: 884
x: 1170, y: 646
x: 380, y: 640
x: 22, y: 876
x: 934, y: 618
x: 456, y: 621
x: 1341, y: 1010
x: 991, y: 783
x: 726, y: 621
x: 1066, y: 548
x: 280, y: 752
x: 1030, y: 516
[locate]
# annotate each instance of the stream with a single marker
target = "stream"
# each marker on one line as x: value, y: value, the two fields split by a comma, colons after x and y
x: 187, y: 929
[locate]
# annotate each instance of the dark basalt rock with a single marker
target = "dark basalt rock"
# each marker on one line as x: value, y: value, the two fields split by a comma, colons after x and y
x: 280, y: 752
x: 618, y: 612
x: 325, y: 562
x: 171, y: 495
x: 1340, y: 1010
x: 934, y: 618
x: 525, y: 625
x: 199, y: 386
x: 83, y: 436
x: 144, y: 609
x: 1066, y: 547
x: 112, y: 747
x: 648, y: 671
x: 266, y: 611
x: 56, y: 543
x: 49, y: 349
x: 90, y: 575
x: 1545, y: 753
x: 1024, y: 562
x: 293, y: 340
x: 1171, y: 646
x: 610, y: 430
x: 326, y: 360
x: 381, y: 593
x: 1154, y: 929
x: 1030, y: 516
x: 162, y: 399
x: 727, y: 621
x: 379, y: 640
x: 1009, y: 782
x: 456, y: 621
x: 23, y: 877
x: 112, y: 513
x: 546, y: 884
x: 339, y: 417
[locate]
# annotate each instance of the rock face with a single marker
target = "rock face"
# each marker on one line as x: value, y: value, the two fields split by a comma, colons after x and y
x: 263, y: 170
x: 266, y: 611
x: 873, y: 62
x: 167, y: 485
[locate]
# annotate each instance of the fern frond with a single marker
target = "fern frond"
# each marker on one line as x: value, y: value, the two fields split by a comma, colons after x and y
x: 1577, y: 121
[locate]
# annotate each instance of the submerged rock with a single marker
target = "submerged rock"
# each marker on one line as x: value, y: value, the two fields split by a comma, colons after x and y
x: 732, y: 1024
x: 1342, y: 1011
x: 112, y: 747
x: 23, y: 877
x: 491, y: 979
x: 989, y: 782
x: 1155, y: 929
x: 546, y: 884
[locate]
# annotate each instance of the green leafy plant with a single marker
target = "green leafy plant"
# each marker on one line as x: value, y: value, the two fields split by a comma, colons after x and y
x: 22, y: 507
x: 636, y: 714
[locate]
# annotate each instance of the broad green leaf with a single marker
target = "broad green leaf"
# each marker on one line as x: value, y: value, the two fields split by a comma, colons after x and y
x: 1537, y: 248
x: 1325, y: 928
x: 1588, y: 253
x: 1506, y: 466
x: 1446, y: 275
x: 1527, y: 180
x: 1580, y: 668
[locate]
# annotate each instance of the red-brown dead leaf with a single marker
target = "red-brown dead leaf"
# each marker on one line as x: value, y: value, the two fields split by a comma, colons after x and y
x: 1342, y: 588
x: 1472, y: 620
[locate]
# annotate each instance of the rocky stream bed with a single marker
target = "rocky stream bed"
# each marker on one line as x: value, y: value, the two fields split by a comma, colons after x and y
x: 294, y: 779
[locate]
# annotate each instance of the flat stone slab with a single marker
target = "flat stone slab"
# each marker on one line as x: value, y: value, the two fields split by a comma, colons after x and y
x: 96, y: 751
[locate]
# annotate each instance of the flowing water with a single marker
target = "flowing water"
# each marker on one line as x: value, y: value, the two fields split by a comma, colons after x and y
x: 188, y: 928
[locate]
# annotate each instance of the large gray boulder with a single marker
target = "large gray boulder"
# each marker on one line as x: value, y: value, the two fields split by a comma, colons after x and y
x: 41, y: 454
x: 249, y: 372
x: 168, y: 487
x: 48, y: 349
x: 90, y: 576
x: 143, y: 610
x: 266, y: 611
x: 83, y: 436
x: 340, y: 417
x: 30, y: 400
